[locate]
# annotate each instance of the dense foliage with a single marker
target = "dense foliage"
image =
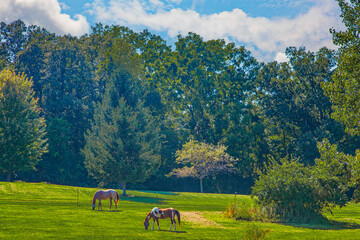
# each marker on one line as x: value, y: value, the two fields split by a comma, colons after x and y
x: 289, y: 189
x: 22, y: 130
x: 344, y: 88
x: 116, y: 101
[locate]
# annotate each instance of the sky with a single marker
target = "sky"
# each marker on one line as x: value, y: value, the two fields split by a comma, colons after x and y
x: 265, y: 27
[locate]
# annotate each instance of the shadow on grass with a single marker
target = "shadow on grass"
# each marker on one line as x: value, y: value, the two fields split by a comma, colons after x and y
x: 328, y: 225
x: 39, y: 202
x: 114, y: 211
x: 158, y: 192
x: 143, y: 199
x: 172, y: 231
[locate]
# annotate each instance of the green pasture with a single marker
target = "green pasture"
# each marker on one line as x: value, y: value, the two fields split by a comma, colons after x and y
x: 47, y: 211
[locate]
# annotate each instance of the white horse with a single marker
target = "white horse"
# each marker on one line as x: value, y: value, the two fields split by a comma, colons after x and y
x: 105, y: 195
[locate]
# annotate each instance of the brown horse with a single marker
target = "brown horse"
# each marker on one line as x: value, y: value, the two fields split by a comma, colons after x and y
x: 157, y: 213
x: 105, y: 195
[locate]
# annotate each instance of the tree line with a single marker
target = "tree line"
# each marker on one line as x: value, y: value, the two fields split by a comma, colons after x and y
x: 119, y: 105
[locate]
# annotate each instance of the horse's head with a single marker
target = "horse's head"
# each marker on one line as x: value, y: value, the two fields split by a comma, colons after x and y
x: 146, y: 224
x: 93, y: 206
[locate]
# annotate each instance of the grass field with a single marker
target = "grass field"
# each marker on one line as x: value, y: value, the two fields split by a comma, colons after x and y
x: 46, y: 211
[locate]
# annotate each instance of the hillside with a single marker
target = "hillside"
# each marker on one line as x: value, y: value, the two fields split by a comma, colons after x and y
x: 47, y: 211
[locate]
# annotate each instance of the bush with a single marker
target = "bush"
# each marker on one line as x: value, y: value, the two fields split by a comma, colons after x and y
x: 244, y: 211
x: 254, y: 231
x: 291, y: 191
x: 239, y: 212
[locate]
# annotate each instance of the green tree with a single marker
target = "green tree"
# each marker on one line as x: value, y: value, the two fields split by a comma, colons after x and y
x: 200, y: 82
x: 22, y: 130
x: 344, y: 89
x: 58, y: 165
x: 31, y: 60
x: 13, y: 38
x: 296, y: 192
x: 290, y: 191
x: 66, y: 86
x: 205, y: 88
x: 297, y: 113
x: 201, y: 160
x: 339, y: 173
x: 122, y: 144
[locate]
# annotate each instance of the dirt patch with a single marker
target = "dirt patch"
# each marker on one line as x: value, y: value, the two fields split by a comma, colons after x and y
x: 198, y: 218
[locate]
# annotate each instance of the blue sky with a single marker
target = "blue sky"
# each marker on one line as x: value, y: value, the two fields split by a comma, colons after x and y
x: 255, y: 8
x: 265, y: 27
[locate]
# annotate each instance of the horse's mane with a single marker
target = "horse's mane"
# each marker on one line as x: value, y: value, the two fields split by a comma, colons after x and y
x: 94, y: 199
x: 148, y: 215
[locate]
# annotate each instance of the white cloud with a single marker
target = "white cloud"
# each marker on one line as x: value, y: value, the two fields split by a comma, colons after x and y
x: 281, y: 57
x: 265, y: 37
x: 64, y: 6
x: 44, y: 13
x: 284, y: 3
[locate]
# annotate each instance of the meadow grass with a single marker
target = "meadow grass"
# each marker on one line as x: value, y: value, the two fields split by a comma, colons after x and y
x: 47, y: 211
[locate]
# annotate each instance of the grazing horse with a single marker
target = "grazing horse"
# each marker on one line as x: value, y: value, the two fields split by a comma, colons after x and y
x: 105, y: 195
x: 157, y: 213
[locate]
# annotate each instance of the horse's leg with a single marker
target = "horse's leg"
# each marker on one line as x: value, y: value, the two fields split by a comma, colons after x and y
x: 171, y: 223
x: 110, y: 203
x: 100, y: 205
x: 153, y: 223
x: 157, y: 221
x: 175, y: 224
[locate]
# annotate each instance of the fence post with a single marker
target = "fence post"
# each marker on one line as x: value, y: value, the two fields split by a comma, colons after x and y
x: 77, y: 199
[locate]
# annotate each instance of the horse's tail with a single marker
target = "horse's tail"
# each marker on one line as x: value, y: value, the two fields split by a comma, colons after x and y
x: 117, y: 197
x: 178, y: 216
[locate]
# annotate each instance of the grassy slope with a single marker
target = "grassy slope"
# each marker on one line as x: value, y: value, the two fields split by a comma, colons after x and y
x: 46, y: 211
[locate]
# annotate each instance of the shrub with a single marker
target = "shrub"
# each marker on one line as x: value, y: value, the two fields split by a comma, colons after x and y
x: 244, y: 211
x: 291, y: 191
x: 239, y: 211
x: 254, y: 231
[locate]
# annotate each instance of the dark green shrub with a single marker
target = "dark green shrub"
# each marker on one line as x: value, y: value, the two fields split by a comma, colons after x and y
x: 291, y: 191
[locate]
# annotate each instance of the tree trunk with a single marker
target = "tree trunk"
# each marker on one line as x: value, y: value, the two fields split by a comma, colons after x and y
x: 201, y: 185
x: 124, y: 189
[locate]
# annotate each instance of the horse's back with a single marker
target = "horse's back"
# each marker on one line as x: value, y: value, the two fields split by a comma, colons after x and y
x: 106, y: 194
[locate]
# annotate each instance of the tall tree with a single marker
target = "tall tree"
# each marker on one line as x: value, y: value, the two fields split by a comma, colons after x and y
x: 296, y: 109
x: 66, y: 86
x: 201, y: 81
x: 122, y: 144
x: 200, y: 160
x: 13, y: 38
x: 22, y: 130
x: 344, y: 89
x: 206, y: 89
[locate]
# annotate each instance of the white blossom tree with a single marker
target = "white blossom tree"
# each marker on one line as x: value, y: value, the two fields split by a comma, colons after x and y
x: 200, y: 160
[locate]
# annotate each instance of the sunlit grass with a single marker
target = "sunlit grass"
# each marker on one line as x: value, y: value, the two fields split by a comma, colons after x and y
x: 46, y: 211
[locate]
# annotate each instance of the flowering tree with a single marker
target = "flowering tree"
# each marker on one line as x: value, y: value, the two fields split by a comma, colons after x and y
x: 201, y: 160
